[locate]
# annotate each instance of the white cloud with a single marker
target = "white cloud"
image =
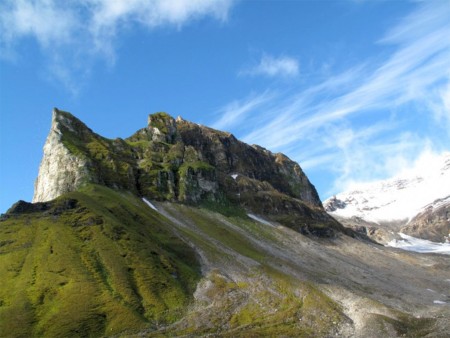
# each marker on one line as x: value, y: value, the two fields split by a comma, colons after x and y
x: 283, y: 66
x: 108, y: 16
x: 371, y: 120
x: 43, y: 20
x: 79, y: 32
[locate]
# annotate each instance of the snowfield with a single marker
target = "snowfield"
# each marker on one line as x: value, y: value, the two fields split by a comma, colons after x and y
x: 419, y: 245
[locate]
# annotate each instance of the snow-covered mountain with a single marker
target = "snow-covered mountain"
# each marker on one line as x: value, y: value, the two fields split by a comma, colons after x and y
x: 417, y: 194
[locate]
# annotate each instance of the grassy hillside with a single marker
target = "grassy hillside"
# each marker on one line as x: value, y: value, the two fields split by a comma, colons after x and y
x: 95, y: 262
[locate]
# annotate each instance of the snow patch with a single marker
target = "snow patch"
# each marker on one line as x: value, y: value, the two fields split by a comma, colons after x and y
x: 260, y: 220
x: 234, y: 176
x: 410, y: 243
x: 149, y: 204
x: 439, y: 302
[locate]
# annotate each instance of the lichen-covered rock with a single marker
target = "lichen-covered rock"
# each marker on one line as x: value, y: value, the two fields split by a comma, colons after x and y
x: 177, y: 160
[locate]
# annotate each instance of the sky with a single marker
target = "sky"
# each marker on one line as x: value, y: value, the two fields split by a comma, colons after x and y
x: 353, y: 90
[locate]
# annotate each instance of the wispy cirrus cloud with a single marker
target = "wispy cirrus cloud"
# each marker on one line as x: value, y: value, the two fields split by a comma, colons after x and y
x: 237, y: 111
x: 74, y: 34
x: 282, y: 66
x: 371, y: 120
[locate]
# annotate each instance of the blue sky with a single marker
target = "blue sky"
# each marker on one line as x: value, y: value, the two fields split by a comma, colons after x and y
x: 352, y: 90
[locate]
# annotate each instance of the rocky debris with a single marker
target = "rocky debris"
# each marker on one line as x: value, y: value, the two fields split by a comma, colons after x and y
x: 180, y: 161
x: 374, y: 231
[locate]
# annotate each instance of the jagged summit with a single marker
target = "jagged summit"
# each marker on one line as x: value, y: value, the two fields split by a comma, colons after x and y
x: 180, y: 161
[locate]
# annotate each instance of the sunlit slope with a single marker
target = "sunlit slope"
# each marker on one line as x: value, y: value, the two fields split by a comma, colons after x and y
x: 91, y: 263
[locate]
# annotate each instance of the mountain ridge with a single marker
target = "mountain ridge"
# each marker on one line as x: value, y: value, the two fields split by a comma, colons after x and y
x: 181, y: 161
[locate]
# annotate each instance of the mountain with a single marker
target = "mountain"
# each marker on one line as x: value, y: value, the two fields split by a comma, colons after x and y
x: 181, y: 230
x: 179, y: 161
x: 417, y: 204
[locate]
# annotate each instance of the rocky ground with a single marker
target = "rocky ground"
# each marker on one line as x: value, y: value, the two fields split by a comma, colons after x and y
x: 380, y: 291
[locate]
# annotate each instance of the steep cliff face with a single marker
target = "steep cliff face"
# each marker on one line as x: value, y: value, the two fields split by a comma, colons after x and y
x: 61, y: 170
x: 176, y: 160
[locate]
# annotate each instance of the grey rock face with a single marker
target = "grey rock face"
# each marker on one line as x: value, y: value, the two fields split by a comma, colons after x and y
x: 60, y: 171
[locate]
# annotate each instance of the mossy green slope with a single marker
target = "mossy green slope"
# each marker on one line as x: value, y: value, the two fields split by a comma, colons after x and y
x: 91, y: 263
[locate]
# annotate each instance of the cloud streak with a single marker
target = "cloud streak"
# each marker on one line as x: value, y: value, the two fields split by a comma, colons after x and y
x: 364, y: 123
x: 74, y: 34
x: 283, y: 66
x: 237, y: 111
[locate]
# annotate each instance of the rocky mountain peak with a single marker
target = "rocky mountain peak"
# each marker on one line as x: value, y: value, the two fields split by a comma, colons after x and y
x: 61, y: 170
x: 63, y: 122
x: 62, y: 119
x: 179, y: 161
x: 163, y: 127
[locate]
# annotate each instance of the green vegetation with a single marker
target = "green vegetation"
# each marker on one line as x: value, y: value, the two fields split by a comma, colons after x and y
x: 225, y: 207
x: 109, y: 162
x: 97, y: 262
x: 195, y: 166
x: 159, y: 120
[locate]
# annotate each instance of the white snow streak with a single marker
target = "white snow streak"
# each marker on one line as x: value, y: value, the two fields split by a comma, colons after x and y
x: 260, y: 220
x: 149, y: 204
